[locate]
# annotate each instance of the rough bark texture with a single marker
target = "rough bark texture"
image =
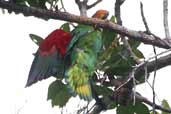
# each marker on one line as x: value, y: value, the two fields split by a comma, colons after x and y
x: 132, y: 34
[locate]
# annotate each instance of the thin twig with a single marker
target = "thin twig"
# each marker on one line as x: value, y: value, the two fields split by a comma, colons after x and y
x: 144, y: 19
x: 165, y: 20
x: 146, y: 25
x: 93, y: 4
x: 130, y: 77
x: 146, y: 80
x: 154, y: 78
x: 91, y: 108
x: 118, y: 4
x: 155, y: 69
x: 62, y: 4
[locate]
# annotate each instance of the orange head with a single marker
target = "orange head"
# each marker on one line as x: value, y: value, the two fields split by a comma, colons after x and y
x: 101, y: 14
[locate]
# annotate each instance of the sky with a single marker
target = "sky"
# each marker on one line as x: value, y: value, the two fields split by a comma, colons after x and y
x: 16, y: 51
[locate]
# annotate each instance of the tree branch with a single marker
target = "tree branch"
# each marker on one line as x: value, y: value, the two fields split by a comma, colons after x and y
x: 144, y: 19
x: 82, y: 7
x: 138, y: 97
x: 161, y: 62
x: 165, y: 20
x: 139, y: 70
x: 118, y: 4
x: 145, y: 100
x: 93, y: 4
x: 41, y: 13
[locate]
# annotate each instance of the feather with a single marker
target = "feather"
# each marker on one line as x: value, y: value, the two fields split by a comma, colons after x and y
x: 49, y: 59
x: 44, y: 66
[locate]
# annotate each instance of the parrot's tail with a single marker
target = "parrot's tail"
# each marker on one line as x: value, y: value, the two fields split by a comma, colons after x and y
x: 79, y: 83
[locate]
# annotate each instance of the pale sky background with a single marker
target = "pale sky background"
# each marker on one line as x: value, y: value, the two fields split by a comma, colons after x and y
x: 16, y: 50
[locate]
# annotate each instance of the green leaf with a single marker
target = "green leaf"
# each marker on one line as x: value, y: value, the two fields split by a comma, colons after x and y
x: 20, y: 2
x: 165, y: 104
x: 155, y: 112
x: 141, y: 108
x: 105, y: 92
x: 124, y: 110
x: 134, y: 43
x: 138, y: 53
x: 102, y: 90
x: 108, y: 36
x: 37, y: 3
x: 113, y: 19
x: 58, y: 93
x: 42, y: 4
x: 120, y: 63
x: 36, y: 39
x: 138, y: 108
x: 65, y: 27
x: 33, y: 3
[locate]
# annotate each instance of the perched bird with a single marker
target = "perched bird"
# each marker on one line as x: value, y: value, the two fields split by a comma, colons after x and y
x: 72, y: 55
x: 88, y: 42
x: 49, y: 59
x: 83, y: 60
x: 101, y: 14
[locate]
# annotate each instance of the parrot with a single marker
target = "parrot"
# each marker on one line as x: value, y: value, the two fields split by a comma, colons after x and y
x: 84, y: 57
x: 83, y: 60
x: 49, y: 59
x: 70, y: 54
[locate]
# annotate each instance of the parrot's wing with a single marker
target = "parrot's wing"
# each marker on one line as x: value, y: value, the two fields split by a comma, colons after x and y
x: 44, y: 66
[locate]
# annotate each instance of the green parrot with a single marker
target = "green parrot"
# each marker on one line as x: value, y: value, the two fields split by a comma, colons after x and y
x: 84, y: 47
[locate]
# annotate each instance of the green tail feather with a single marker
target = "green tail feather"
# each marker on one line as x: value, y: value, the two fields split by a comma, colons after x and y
x: 78, y: 81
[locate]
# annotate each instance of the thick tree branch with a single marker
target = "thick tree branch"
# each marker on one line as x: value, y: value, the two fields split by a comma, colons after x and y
x: 136, y: 35
x: 139, y: 70
x: 161, y: 62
